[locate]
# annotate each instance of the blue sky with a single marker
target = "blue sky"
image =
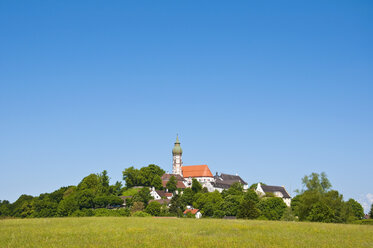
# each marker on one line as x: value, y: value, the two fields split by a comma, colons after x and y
x: 270, y: 90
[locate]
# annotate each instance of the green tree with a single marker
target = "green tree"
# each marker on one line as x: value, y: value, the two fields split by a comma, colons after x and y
x: 148, y: 173
x: 176, y: 206
x: 302, y: 204
x: 44, y: 207
x: 19, y: 207
x: 219, y: 214
x: 196, y: 186
x: 142, y: 196
x: 172, y: 184
x: 318, y: 197
x: 230, y: 204
x: 57, y: 195
x: 142, y: 177
x: 157, y: 182
x: 132, y: 177
x: 116, y: 189
x: 316, y: 182
x: 153, y: 208
x: 288, y: 215
x: 272, y: 208
x: 85, y: 198
x: 352, y: 210
x: 5, y: 208
x: 208, y: 203
x: 334, y: 201
x: 67, y: 206
x: 251, y: 195
x: 247, y: 209
x: 101, y: 201
x: 187, y: 197
x: 371, y: 212
x: 320, y: 212
x: 104, y: 181
x: 90, y: 182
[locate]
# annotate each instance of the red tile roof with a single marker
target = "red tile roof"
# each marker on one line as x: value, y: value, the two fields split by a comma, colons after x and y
x: 193, y: 211
x: 196, y: 171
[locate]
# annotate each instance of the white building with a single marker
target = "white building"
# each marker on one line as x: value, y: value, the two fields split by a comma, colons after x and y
x: 225, y: 181
x: 160, y: 194
x: 277, y: 191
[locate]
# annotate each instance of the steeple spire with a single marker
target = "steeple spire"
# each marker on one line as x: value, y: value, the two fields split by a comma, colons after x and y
x: 177, y: 149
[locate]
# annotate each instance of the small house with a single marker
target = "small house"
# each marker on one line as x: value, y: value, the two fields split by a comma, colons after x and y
x: 194, y: 211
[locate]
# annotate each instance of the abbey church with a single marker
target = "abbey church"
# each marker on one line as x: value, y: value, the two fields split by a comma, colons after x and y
x: 202, y: 173
x: 184, y: 175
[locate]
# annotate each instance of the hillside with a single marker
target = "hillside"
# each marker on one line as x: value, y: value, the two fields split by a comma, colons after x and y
x: 172, y: 232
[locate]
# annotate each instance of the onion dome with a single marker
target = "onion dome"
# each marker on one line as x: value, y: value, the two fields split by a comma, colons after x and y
x: 177, y: 149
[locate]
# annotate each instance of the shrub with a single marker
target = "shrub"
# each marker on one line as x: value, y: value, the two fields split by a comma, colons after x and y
x: 154, y: 208
x: 111, y: 212
x: 219, y: 214
x: 247, y: 210
x: 288, y: 215
x: 364, y: 222
x: 141, y: 214
x: 321, y: 213
x: 272, y: 208
x: 190, y: 215
x: 137, y: 206
x: 83, y: 213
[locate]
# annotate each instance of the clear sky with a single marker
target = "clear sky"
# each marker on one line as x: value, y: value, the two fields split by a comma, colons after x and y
x: 271, y: 90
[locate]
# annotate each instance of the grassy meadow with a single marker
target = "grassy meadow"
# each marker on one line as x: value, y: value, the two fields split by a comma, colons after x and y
x: 169, y: 232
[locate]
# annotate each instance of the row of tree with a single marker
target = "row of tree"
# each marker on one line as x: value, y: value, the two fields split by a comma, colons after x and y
x: 92, y: 192
x: 318, y: 202
x: 94, y: 195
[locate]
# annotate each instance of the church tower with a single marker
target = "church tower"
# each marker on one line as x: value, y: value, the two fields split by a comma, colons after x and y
x: 176, y: 158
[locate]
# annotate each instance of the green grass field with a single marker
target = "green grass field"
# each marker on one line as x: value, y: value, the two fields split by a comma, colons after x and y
x: 163, y: 232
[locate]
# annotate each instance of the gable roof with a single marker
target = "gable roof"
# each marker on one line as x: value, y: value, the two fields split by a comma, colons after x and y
x: 234, y: 178
x: 273, y: 189
x: 196, y: 171
x: 227, y: 180
x: 162, y: 193
x: 168, y: 176
x: 220, y: 184
x: 193, y: 211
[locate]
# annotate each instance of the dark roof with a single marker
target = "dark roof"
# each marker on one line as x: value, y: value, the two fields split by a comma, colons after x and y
x: 166, y: 177
x: 225, y: 181
x: 163, y: 193
x: 231, y: 179
x: 273, y: 189
x: 221, y: 184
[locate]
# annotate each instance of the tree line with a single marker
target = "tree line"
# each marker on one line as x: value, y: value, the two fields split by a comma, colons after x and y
x: 94, y: 196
